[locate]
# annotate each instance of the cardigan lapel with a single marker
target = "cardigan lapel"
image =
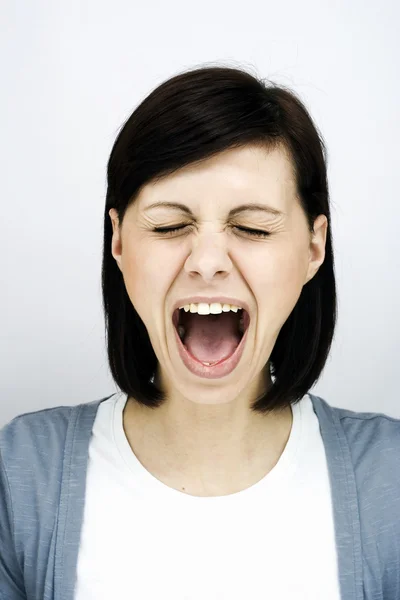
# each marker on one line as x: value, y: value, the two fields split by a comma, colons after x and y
x: 72, y: 498
x: 344, y: 500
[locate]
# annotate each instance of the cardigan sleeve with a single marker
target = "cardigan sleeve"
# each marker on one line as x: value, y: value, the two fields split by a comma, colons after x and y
x: 11, y: 576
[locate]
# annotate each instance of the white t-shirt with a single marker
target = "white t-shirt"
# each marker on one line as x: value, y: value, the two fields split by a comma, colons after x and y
x: 143, y: 540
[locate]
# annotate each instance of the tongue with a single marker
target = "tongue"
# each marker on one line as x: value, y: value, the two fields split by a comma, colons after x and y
x: 211, y: 338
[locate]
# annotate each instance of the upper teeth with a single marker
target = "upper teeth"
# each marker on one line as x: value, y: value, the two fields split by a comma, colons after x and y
x: 215, y: 308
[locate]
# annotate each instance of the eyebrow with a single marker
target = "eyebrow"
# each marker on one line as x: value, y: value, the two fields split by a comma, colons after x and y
x: 234, y: 211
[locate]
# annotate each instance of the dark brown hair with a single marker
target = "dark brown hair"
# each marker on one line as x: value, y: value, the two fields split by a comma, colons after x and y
x: 188, y: 118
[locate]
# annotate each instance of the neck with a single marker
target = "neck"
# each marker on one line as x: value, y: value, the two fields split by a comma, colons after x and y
x: 209, y: 450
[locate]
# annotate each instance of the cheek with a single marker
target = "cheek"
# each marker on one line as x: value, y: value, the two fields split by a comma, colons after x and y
x: 148, y: 273
x: 277, y: 280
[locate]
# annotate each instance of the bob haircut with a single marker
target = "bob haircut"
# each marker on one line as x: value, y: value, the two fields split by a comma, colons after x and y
x: 191, y: 117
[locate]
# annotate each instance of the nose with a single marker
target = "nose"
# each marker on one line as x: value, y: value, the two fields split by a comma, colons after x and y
x: 209, y: 258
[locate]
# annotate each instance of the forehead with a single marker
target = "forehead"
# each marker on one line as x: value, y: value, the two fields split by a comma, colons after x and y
x: 244, y: 174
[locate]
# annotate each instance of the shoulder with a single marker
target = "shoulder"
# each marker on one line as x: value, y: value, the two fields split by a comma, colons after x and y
x: 31, y: 462
x: 373, y: 437
x: 32, y: 448
x: 374, y: 444
x: 368, y: 443
x: 37, y: 452
x: 369, y: 434
x: 33, y: 444
x: 37, y: 423
x: 35, y: 434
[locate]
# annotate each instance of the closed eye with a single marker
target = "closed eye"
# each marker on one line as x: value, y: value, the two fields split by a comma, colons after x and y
x: 247, y: 230
x: 166, y: 230
x: 255, y: 232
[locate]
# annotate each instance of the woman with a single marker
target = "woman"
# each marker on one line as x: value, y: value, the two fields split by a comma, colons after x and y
x: 214, y: 473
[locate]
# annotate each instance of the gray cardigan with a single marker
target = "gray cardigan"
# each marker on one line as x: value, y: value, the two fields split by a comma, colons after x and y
x: 43, y: 463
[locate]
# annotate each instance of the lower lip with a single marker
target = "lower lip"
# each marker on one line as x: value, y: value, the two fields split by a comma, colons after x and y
x: 219, y: 369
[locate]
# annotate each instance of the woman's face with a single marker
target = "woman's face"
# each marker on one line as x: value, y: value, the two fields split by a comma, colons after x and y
x: 217, y: 255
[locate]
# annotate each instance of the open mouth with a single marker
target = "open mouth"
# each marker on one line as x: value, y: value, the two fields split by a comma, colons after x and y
x: 207, y: 341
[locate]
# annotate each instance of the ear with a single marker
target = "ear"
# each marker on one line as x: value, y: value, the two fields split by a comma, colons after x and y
x: 116, y: 243
x: 317, y: 246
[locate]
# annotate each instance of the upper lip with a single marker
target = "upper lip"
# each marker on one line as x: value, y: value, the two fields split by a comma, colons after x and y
x: 210, y: 300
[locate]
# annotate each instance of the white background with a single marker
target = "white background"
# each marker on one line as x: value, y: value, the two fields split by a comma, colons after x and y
x: 71, y: 74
